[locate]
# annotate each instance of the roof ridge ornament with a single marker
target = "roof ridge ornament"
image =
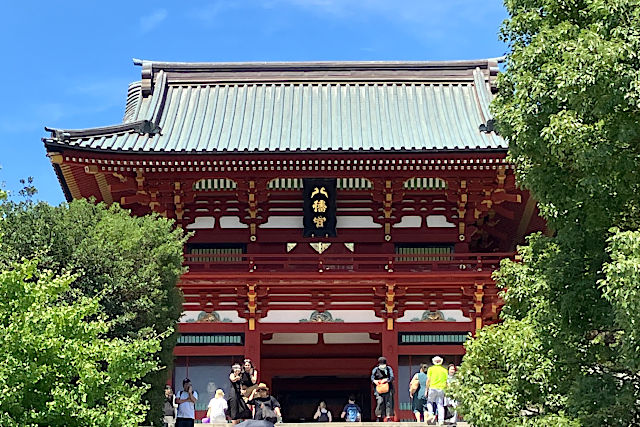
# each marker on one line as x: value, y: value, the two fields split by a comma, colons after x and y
x: 143, y: 127
x: 147, y: 127
x: 147, y: 76
x: 487, y: 127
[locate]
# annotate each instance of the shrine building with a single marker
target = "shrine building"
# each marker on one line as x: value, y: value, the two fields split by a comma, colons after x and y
x: 340, y: 211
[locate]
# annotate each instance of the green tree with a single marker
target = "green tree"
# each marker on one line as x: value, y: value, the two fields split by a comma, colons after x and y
x: 569, y: 105
x: 131, y: 264
x: 57, y: 368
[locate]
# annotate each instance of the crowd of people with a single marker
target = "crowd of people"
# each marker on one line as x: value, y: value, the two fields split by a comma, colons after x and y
x: 250, y: 400
x: 428, y: 392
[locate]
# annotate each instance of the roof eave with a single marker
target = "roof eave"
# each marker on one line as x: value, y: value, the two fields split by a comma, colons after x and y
x: 53, y: 145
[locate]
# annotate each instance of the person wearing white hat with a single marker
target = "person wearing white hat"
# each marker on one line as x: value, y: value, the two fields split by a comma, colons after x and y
x: 436, y: 384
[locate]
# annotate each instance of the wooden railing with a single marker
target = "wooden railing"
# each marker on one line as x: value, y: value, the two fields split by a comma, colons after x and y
x: 359, y: 263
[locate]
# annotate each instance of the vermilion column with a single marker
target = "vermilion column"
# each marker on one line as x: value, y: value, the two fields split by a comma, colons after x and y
x: 252, y: 343
x: 390, y: 351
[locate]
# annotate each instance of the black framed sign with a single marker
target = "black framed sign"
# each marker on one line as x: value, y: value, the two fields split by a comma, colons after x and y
x: 319, y: 207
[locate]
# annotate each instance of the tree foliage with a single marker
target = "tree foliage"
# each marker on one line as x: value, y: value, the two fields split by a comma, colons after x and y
x: 130, y: 264
x: 569, y: 105
x: 57, y: 368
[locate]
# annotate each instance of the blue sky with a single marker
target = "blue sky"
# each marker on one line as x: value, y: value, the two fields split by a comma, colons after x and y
x: 67, y: 64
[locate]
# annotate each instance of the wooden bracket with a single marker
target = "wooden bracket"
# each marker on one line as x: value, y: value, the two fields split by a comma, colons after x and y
x: 462, y: 210
x: 177, y: 200
x: 390, y: 304
x: 252, y: 304
x: 478, y: 296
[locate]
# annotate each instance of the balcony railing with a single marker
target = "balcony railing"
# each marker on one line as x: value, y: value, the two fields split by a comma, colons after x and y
x: 358, y: 263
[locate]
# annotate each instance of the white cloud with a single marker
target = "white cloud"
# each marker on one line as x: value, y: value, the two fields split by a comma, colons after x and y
x: 110, y: 91
x: 210, y: 13
x: 149, y: 22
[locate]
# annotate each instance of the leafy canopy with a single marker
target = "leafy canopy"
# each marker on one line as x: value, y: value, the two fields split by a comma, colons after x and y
x: 569, y: 105
x: 131, y: 265
x: 57, y: 368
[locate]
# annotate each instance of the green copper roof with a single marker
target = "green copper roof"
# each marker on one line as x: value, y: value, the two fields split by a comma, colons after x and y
x: 284, y: 107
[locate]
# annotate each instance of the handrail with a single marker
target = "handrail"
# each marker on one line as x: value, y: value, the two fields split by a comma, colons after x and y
x: 346, y: 262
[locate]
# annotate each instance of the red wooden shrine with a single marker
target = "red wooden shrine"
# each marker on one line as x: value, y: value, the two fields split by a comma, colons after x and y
x: 427, y: 207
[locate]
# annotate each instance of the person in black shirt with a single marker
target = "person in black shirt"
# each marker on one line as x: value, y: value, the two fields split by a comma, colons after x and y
x: 238, y: 409
x: 169, y: 409
x: 382, y: 379
x: 249, y: 373
x: 266, y: 407
x: 322, y: 414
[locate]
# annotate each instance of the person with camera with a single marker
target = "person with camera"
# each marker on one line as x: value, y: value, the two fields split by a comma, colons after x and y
x: 169, y: 409
x: 186, y: 401
x: 322, y: 414
x: 238, y: 408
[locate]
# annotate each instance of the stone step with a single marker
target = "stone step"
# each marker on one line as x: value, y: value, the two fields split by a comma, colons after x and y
x: 339, y: 424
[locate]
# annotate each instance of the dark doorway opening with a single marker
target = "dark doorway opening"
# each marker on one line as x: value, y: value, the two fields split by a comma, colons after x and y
x: 300, y: 396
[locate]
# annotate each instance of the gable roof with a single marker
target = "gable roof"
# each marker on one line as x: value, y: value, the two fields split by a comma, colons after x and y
x: 288, y: 107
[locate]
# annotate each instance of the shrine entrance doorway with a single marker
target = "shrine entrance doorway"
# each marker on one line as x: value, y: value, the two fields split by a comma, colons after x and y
x: 299, y: 396
x: 302, y: 375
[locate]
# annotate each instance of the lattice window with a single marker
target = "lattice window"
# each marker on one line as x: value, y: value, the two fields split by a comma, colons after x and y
x: 418, y: 338
x: 215, y: 184
x: 343, y: 184
x: 210, y: 339
x: 204, y: 249
x: 417, y: 183
x: 445, y: 250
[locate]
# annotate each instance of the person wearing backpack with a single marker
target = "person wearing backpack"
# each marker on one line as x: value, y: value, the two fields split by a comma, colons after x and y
x: 382, y: 379
x: 351, y: 412
x: 266, y: 407
x: 322, y: 414
x: 418, y: 391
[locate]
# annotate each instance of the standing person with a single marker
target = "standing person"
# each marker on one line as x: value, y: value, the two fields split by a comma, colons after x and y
x: 186, y: 401
x: 322, y: 414
x: 351, y: 412
x: 266, y: 407
x: 238, y: 409
x: 436, y: 384
x: 249, y: 373
x: 217, y: 407
x: 170, y: 405
x: 448, y: 401
x: 382, y: 378
x: 418, y: 391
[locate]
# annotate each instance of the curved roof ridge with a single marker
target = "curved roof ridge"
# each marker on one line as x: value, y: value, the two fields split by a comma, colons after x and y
x: 140, y: 126
x: 266, y: 65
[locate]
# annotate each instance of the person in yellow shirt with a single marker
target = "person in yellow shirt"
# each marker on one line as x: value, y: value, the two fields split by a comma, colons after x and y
x: 436, y: 384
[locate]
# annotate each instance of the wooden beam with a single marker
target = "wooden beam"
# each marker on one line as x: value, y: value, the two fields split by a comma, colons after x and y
x: 431, y: 350
x: 70, y: 179
x: 319, y: 327
x: 210, y: 327
x: 434, y: 326
x: 525, y: 220
x: 208, y: 350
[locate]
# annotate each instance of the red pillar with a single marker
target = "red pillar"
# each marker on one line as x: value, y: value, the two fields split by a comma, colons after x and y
x: 390, y: 351
x: 252, y: 343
